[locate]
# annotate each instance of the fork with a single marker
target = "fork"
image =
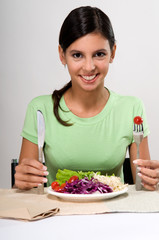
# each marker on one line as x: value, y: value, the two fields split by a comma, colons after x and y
x: 138, y: 133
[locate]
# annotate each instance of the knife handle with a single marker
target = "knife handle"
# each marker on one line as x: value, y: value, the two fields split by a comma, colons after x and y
x: 40, y: 154
x: 41, y: 186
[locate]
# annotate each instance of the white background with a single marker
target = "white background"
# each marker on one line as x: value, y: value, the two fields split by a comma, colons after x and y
x: 29, y: 63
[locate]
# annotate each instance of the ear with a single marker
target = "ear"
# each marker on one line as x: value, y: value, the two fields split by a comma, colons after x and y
x: 62, y: 55
x: 113, y: 53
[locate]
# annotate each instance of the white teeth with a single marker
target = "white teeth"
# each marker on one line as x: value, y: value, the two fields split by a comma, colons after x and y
x: 88, y: 78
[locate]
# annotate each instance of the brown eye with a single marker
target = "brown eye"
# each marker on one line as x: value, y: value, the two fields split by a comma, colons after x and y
x: 77, y: 55
x: 100, y: 54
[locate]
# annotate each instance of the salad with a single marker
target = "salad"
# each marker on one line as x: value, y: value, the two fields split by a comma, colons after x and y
x: 79, y: 182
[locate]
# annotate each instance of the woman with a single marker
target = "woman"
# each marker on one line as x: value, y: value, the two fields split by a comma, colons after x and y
x: 88, y: 127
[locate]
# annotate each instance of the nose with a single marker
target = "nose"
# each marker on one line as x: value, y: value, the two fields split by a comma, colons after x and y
x: 89, y: 64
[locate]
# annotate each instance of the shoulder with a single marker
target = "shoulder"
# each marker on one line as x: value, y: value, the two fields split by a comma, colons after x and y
x: 126, y: 100
x: 41, y: 101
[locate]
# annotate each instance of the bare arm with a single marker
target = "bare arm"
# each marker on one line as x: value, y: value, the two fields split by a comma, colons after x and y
x: 32, y: 153
x: 29, y: 172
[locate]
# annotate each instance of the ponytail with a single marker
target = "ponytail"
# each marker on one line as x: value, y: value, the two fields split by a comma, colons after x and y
x: 56, y: 96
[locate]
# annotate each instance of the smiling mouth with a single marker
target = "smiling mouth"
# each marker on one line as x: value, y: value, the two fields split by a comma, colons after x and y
x: 89, y: 78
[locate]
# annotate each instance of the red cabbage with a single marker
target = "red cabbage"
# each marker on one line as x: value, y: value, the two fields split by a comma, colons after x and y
x: 86, y: 186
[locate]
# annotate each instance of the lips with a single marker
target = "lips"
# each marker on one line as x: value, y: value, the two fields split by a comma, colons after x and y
x: 89, y: 78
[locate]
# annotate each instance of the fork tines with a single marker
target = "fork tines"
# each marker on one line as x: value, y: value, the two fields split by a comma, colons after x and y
x: 138, y: 127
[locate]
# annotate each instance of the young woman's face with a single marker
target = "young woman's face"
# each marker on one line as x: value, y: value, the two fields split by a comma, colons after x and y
x: 88, y: 61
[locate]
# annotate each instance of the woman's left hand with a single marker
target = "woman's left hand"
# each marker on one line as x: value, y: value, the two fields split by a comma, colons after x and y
x: 149, y: 173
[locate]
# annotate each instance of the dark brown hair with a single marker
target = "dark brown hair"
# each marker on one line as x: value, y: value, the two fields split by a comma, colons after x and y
x: 78, y: 23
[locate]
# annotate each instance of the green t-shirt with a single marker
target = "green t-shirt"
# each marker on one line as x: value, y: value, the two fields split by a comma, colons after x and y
x: 97, y: 143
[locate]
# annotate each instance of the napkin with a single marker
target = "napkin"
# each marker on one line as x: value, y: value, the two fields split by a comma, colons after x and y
x: 28, y: 205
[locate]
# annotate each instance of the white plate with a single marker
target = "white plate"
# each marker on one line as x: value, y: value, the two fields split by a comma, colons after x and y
x: 86, y: 197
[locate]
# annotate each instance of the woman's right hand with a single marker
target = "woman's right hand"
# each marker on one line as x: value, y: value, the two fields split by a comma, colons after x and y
x: 30, y: 173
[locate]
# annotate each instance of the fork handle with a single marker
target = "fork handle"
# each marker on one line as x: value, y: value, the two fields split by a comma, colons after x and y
x: 138, y: 152
x: 138, y: 185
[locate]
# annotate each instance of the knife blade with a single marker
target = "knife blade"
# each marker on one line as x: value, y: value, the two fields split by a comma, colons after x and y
x: 41, y: 137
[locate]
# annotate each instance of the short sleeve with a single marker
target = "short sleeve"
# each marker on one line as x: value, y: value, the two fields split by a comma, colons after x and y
x: 29, y: 130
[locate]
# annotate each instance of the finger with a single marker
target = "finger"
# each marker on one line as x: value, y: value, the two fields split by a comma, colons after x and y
x: 26, y: 169
x: 34, y: 163
x: 154, y: 173
x: 149, y: 187
x: 25, y: 185
x: 29, y: 178
x: 147, y: 163
x: 147, y: 179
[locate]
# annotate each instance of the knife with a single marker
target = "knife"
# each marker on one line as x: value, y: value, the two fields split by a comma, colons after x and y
x: 41, y: 137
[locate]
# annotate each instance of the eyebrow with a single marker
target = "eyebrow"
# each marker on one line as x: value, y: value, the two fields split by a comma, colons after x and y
x: 79, y: 51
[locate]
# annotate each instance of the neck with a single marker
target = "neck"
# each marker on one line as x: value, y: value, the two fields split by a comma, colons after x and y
x: 85, y: 103
x: 88, y: 98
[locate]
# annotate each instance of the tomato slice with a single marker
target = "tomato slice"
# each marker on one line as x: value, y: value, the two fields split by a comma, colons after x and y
x: 138, y: 120
x: 72, y: 179
x: 54, y: 184
x: 58, y: 189
x: 63, y: 185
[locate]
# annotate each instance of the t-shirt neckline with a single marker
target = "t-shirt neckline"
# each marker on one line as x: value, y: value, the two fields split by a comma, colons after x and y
x: 94, y: 119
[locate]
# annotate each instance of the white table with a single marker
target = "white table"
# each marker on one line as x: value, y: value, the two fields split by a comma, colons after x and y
x: 130, y: 226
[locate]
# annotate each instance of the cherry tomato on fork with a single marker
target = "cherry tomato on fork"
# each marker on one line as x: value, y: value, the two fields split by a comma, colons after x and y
x: 138, y: 120
x: 72, y: 179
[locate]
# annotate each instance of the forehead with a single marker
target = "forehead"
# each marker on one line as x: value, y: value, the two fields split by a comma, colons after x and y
x: 90, y: 42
